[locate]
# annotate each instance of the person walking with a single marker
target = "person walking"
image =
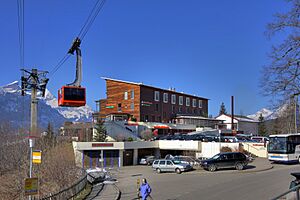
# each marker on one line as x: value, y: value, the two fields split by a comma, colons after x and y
x: 145, y: 190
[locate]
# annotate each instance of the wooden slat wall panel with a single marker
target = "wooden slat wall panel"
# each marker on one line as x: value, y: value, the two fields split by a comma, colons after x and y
x: 145, y: 95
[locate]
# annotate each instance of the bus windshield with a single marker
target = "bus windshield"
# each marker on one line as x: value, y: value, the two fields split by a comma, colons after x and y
x: 277, y: 145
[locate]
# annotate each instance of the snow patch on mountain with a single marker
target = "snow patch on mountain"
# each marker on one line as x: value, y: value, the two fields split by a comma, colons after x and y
x: 266, y: 113
x: 10, y: 88
x: 269, y: 114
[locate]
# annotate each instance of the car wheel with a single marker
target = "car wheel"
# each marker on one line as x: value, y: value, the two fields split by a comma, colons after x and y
x: 239, y: 166
x: 212, y: 168
x: 178, y: 171
x: 158, y: 170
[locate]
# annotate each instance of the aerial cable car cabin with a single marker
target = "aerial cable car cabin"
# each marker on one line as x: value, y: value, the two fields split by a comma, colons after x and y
x: 73, y: 95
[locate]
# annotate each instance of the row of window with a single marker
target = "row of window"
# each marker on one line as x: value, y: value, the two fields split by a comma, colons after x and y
x: 180, y: 100
x: 131, y: 95
x: 120, y: 107
x: 146, y: 118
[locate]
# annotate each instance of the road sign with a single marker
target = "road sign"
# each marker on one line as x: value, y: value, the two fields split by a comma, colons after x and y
x: 31, y: 186
x: 37, y: 157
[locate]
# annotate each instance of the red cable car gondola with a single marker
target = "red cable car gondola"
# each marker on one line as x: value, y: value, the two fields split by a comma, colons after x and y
x: 73, y: 95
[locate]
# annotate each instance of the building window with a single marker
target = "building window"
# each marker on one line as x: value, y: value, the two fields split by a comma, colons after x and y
x: 132, y: 106
x: 146, y: 118
x: 156, y: 107
x: 173, y: 109
x: 200, y: 103
x: 187, y: 110
x: 180, y: 100
x: 132, y: 94
x: 194, y: 103
x: 166, y: 97
x: 156, y: 96
x: 119, y: 107
x: 125, y: 95
x: 153, y: 118
x: 180, y: 109
x: 159, y: 118
x: 187, y: 101
x: 173, y: 99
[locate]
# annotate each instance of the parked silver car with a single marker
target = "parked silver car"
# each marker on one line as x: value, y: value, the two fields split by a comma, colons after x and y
x: 147, y: 160
x: 170, y: 166
x: 187, y: 159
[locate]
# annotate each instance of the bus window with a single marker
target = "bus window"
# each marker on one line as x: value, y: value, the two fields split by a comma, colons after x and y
x: 278, y: 145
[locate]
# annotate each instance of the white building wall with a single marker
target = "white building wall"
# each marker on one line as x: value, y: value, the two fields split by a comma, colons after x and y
x: 209, y: 149
x: 248, y: 127
x: 180, y: 145
x: 227, y: 120
x: 258, y: 149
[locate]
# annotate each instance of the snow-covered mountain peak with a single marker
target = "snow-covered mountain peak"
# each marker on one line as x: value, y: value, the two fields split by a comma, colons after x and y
x: 48, y: 95
x: 11, y: 87
x: 266, y: 113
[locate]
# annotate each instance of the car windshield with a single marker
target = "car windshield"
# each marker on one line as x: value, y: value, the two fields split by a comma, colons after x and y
x: 176, y: 162
x: 216, y: 156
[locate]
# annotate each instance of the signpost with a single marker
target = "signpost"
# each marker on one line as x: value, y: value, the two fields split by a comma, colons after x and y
x: 37, y: 157
x: 31, y: 186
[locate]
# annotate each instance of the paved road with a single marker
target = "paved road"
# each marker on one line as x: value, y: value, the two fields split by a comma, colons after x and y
x: 228, y: 184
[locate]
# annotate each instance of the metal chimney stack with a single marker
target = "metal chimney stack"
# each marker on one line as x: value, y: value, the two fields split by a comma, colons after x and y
x: 232, y: 113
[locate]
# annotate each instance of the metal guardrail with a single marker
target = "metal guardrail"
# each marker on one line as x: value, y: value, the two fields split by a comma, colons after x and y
x: 69, y: 192
x: 293, y: 193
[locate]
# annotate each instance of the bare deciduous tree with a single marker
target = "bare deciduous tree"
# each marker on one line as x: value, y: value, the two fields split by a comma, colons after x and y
x: 281, y: 78
x: 56, y: 172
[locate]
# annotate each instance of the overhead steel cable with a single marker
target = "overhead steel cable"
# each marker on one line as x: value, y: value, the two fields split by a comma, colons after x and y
x: 83, y: 31
x: 59, y: 64
x: 88, y: 19
x: 21, y: 31
x: 96, y: 10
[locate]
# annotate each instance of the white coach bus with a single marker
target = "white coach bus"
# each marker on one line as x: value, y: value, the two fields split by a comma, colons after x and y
x: 284, y: 148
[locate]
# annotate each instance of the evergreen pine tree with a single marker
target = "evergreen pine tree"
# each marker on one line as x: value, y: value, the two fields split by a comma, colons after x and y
x: 100, y: 132
x: 261, y: 125
x: 222, y: 109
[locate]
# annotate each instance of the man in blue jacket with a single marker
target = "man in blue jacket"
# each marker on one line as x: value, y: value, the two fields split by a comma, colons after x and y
x: 145, y: 189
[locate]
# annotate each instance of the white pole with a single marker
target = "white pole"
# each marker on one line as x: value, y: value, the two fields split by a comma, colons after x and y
x: 220, y: 140
x: 31, y: 144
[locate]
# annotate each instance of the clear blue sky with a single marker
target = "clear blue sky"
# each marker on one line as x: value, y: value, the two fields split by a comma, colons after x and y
x: 213, y: 49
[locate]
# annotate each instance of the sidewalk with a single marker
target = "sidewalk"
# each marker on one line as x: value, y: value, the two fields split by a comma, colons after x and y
x: 258, y: 165
x: 104, y: 192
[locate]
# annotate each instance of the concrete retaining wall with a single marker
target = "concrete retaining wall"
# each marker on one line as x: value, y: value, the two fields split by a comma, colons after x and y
x: 209, y: 149
x: 258, y: 149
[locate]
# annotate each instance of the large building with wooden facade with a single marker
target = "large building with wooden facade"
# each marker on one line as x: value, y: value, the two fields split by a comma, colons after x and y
x: 147, y: 103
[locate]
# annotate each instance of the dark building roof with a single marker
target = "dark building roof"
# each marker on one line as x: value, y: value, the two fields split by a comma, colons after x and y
x: 141, y: 84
